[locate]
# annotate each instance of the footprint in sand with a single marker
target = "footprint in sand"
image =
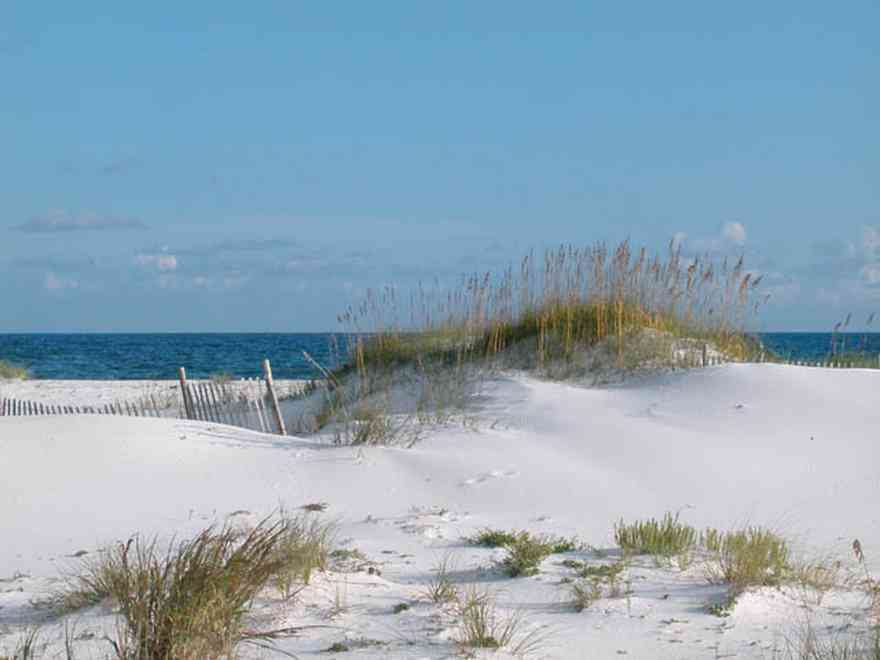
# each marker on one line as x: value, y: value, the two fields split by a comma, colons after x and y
x: 492, y: 474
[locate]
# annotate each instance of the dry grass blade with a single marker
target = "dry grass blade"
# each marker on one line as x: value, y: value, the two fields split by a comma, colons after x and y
x: 482, y: 626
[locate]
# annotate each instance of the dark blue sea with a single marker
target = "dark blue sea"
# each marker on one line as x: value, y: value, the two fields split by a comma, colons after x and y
x: 157, y: 356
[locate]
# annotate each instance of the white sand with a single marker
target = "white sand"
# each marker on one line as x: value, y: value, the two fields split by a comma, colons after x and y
x: 793, y: 448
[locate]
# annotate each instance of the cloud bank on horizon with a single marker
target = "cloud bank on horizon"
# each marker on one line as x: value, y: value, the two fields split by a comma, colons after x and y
x: 60, y: 222
x: 266, y: 186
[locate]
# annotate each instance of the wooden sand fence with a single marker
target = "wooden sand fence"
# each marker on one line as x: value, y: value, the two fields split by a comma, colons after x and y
x: 252, y: 404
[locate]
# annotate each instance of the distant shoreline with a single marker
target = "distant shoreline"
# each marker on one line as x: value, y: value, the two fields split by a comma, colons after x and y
x: 157, y: 356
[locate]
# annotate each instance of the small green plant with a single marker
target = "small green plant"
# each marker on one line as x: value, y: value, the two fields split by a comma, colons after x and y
x: 590, y: 580
x: 664, y: 538
x: 491, y: 538
x: 348, y: 554
x: 338, y: 647
x: 315, y: 507
x: 401, y: 607
x: 525, y: 554
x: 441, y: 589
x: 560, y: 545
x: 354, y: 644
x: 603, y: 571
x: 584, y: 592
x: 524, y: 550
x: 723, y: 608
x: 349, y: 560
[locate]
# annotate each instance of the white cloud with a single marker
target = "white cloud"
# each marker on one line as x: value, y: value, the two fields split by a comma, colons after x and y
x: 62, y: 221
x: 734, y: 232
x: 54, y: 283
x: 871, y: 242
x: 162, y: 262
x: 731, y: 235
x: 871, y: 273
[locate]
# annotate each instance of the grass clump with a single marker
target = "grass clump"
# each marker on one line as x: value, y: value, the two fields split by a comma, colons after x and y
x: 525, y: 554
x: 753, y: 557
x: 28, y: 647
x: 483, y: 627
x: 491, y: 538
x: 10, y: 371
x: 441, y: 589
x: 813, y: 646
x: 303, y: 548
x: 189, y: 600
x: 354, y: 644
x: 525, y: 551
x: 593, y: 581
x: 818, y: 577
x: 584, y: 593
x: 664, y: 538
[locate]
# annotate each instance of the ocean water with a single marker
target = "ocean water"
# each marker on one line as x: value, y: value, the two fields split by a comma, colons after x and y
x: 817, y: 345
x: 158, y: 356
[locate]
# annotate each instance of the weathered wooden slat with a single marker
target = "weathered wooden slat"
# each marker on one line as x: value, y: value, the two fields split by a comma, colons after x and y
x: 187, y: 404
x: 276, y: 409
x: 198, y: 404
x: 264, y: 419
x: 213, y: 403
x: 216, y: 402
x: 210, y: 413
x: 237, y: 416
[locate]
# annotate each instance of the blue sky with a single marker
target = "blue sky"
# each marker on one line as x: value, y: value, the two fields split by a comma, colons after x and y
x: 256, y: 166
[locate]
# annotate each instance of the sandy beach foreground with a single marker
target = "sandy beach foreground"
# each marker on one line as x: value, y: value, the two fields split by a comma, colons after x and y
x: 786, y: 447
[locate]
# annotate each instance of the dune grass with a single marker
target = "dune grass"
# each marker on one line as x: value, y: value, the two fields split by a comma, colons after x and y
x: 10, y: 371
x: 667, y: 537
x: 482, y: 626
x: 441, y: 588
x: 751, y: 557
x: 576, y: 298
x: 578, y: 312
x: 30, y: 646
x: 811, y: 645
x: 190, y: 599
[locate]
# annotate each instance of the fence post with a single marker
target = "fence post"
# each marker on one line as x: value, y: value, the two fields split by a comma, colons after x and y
x: 705, y: 354
x: 184, y: 392
x: 270, y: 385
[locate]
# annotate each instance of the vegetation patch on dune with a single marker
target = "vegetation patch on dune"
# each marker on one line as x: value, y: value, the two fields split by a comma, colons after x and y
x: 10, y: 371
x: 594, y: 313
